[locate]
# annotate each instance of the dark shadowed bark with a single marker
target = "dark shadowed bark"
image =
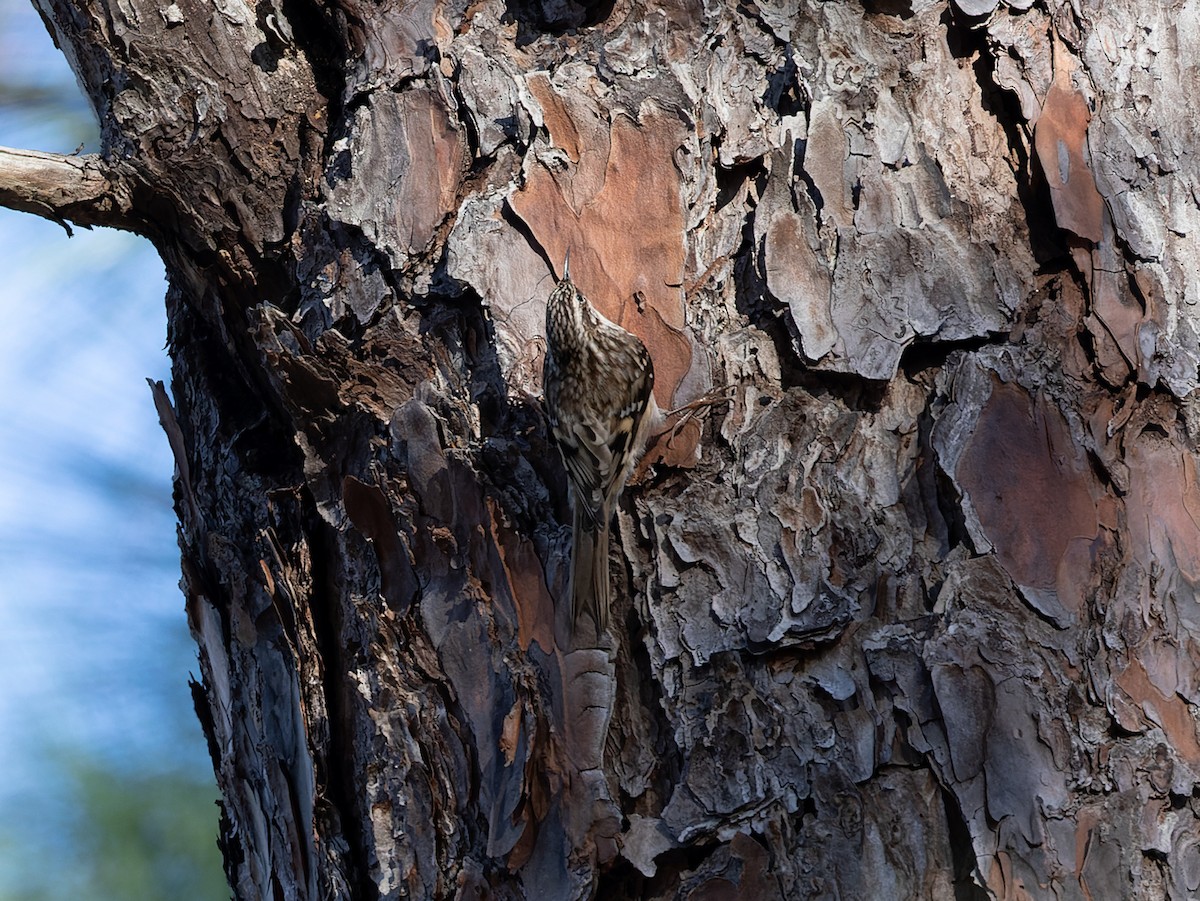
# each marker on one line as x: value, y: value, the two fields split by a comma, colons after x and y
x: 911, y: 615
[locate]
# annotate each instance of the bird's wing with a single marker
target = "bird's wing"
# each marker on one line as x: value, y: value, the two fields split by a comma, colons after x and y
x: 588, y: 460
x: 625, y: 429
x: 599, y: 451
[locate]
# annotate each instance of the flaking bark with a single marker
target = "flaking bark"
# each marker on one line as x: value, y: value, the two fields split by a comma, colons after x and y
x: 911, y: 617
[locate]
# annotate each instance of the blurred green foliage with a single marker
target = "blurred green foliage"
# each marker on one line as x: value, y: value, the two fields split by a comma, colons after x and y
x: 94, y: 651
x: 122, y: 837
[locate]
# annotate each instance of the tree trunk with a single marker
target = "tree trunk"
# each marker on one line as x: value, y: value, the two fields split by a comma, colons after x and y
x: 909, y: 614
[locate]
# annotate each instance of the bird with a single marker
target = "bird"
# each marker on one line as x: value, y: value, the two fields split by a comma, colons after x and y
x: 598, y: 386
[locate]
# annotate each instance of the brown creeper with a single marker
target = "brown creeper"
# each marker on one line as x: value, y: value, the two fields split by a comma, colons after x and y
x: 598, y: 381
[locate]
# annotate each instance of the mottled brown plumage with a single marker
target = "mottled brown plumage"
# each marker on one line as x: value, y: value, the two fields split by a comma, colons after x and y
x: 599, y: 382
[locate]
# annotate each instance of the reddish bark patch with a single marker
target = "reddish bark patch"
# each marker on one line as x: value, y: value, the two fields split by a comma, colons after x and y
x: 409, y: 142
x: 526, y: 583
x: 616, y: 207
x: 369, y: 510
x: 1032, y: 491
x: 1170, y: 712
x: 1163, y: 507
x: 429, y: 193
x: 1059, y: 140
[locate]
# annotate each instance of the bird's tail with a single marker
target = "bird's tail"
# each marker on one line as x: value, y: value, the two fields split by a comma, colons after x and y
x: 589, y: 572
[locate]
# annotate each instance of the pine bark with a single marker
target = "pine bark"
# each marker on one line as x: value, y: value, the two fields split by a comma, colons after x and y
x: 910, y: 614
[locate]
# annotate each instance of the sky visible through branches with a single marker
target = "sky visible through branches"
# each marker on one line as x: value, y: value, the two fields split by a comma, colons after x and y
x: 107, y: 789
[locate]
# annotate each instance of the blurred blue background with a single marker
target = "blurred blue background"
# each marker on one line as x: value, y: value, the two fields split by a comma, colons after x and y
x: 107, y: 791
